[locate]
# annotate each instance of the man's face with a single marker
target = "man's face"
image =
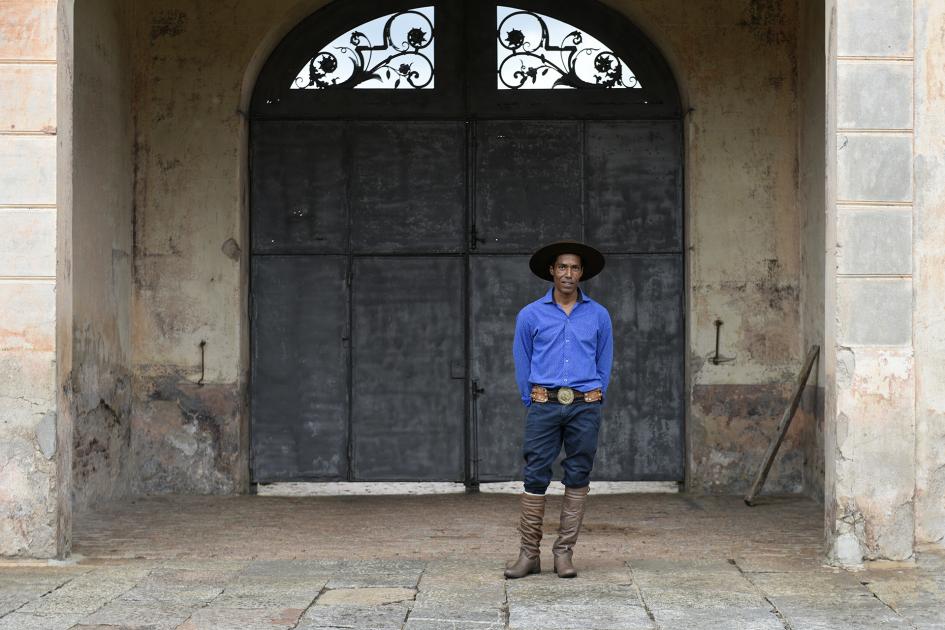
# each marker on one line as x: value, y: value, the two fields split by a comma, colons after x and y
x: 566, y: 272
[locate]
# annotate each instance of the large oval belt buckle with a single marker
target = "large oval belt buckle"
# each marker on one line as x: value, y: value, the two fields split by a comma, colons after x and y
x: 565, y: 395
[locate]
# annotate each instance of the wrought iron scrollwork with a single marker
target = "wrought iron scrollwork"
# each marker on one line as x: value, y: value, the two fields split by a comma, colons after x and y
x: 405, y: 49
x: 526, y: 56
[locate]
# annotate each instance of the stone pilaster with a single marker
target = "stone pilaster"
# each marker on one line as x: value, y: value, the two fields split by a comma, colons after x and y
x: 870, y: 507
x: 28, y: 446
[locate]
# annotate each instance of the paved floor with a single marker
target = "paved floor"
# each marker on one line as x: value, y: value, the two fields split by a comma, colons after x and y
x: 435, y: 562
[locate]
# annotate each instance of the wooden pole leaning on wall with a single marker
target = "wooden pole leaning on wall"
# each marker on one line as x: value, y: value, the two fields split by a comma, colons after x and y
x: 783, y: 426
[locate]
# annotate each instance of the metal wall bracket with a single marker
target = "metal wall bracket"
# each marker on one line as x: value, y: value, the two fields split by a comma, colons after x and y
x: 716, y: 358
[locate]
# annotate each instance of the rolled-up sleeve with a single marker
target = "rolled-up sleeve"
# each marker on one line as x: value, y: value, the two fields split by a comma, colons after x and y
x: 522, y: 354
x: 605, y: 350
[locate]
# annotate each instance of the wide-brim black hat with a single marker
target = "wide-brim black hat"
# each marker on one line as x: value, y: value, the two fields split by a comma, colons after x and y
x: 592, y: 260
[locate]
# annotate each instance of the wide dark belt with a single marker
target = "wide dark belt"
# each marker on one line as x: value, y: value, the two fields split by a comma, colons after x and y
x: 564, y: 395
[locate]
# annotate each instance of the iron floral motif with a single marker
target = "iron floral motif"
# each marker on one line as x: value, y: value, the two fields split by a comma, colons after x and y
x: 406, y: 60
x: 529, y: 63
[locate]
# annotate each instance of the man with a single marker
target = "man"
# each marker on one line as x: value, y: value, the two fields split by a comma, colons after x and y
x: 563, y: 351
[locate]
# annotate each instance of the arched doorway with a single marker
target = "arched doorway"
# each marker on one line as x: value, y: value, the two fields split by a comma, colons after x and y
x: 406, y: 158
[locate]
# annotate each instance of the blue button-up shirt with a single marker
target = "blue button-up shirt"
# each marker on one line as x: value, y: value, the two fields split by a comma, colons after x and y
x: 554, y: 349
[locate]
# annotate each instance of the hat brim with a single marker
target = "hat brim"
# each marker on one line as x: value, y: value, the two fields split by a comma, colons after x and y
x: 592, y: 261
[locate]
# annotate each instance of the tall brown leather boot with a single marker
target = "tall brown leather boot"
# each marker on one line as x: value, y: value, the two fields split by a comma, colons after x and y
x: 572, y: 514
x: 533, y: 513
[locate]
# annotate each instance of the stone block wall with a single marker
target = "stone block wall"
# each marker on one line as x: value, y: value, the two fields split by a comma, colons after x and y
x: 29, y: 472
x: 871, y: 448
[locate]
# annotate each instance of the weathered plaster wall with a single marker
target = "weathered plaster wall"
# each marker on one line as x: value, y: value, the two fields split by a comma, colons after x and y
x: 188, y: 435
x: 929, y: 270
x: 811, y: 188
x: 29, y: 471
x: 871, y: 445
x: 99, y: 384
x: 743, y: 230
x: 743, y: 225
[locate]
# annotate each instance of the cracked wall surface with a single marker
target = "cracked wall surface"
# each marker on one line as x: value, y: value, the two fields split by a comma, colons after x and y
x: 99, y: 383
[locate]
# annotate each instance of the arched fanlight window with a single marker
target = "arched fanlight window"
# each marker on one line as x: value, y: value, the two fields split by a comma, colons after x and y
x: 535, y: 51
x: 476, y: 59
x: 389, y: 52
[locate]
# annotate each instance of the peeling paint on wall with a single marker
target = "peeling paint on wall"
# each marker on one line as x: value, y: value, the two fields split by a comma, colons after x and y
x: 186, y: 437
x: 733, y: 427
x: 27, y: 498
x: 98, y: 387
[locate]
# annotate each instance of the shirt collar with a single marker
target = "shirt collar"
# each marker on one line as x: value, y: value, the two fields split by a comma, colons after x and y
x: 550, y: 299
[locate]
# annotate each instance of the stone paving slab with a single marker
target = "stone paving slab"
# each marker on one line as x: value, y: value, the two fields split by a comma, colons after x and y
x: 373, y: 596
x: 580, y: 617
x: 270, y: 592
x: 828, y: 600
x: 223, y: 618
x: 668, y: 594
x: 383, y: 617
x: 702, y: 594
x: 719, y: 619
x: 546, y: 602
x: 453, y: 624
x: 804, y: 612
x: 136, y: 614
x: 11, y: 601
x: 27, y: 621
x: 365, y: 574
x: 915, y: 592
x: 685, y: 585
x: 83, y: 595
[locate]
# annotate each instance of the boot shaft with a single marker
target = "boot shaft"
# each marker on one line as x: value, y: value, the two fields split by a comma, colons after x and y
x: 572, y: 515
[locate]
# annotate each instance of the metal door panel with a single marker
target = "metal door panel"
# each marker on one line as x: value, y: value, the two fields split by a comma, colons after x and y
x: 300, y: 368
x: 407, y: 191
x: 528, y: 184
x: 407, y: 407
x: 298, y: 191
x: 642, y: 433
x: 634, y: 186
x: 500, y: 286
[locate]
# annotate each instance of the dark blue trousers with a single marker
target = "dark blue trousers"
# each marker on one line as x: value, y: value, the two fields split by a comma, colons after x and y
x: 547, y: 427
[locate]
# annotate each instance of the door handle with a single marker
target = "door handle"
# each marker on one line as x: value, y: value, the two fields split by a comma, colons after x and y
x: 476, y: 390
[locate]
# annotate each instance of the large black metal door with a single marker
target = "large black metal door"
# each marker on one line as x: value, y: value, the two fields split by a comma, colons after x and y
x: 358, y: 339
x: 391, y: 230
